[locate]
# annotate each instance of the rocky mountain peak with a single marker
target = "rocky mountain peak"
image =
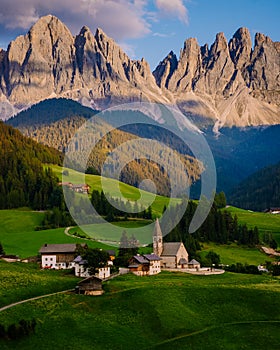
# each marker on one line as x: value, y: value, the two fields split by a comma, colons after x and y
x: 220, y: 44
x: 240, y: 47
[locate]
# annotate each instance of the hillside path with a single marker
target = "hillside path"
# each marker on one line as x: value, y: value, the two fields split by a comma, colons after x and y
x: 34, y: 298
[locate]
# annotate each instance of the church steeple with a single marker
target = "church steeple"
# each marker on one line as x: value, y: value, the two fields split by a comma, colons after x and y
x: 157, y: 239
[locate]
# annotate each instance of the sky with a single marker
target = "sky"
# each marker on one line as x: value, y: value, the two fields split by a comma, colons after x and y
x: 146, y: 28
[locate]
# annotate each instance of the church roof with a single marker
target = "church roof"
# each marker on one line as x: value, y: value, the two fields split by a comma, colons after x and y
x: 170, y: 248
x: 157, y: 230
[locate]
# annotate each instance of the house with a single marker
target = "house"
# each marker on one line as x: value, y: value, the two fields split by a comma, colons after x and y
x: 147, y: 264
x: 81, y: 269
x: 59, y: 256
x: 194, y: 264
x: 90, y: 286
x: 173, y: 254
x: 272, y: 210
x: 81, y: 188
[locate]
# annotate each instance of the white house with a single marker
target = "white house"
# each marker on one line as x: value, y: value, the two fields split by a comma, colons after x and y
x: 82, y: 271
x: 147, y: 264
x: 58, y: 256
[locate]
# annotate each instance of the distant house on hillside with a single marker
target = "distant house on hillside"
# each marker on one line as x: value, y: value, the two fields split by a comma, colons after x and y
x: 59, y: 256
x: 147, y: 264
x: 81, y: 188
x: 78, y: 188
x: 272, y: 210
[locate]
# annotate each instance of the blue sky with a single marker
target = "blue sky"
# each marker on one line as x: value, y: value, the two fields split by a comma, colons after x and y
x: 145, y: 28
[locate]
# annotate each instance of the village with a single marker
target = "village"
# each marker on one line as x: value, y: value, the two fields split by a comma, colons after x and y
x: 170, y: 256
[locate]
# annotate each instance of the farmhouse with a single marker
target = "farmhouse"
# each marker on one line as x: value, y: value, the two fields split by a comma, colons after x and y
x: 79, y: 188
x: 172, y: 254
x: 147, y: 264
x: 90, y: 286
x: 59, y: 256
x: 194, y: 264
x: 81, y: 269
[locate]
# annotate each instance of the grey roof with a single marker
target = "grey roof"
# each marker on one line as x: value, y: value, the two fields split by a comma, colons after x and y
x: 157, y: 230
x: 152, y: 257
x: 194, y: 262
x: 140, y: 259
x: 133, y: 265
x: 170, y: 248
x: 90, y: 278
x: 58, y: 248
x: 182, y: 261
x: 78, y: 259
x: 111, y: 252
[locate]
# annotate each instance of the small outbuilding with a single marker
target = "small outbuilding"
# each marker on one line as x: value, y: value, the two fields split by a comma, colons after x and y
x: 90, y: 286
x: 194, y: 264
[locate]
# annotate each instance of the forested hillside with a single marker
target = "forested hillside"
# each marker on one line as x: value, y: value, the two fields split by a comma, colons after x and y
x: 259, y: 191
x: 49, y: 111
x: 58, y: 134
x: 23, y: 181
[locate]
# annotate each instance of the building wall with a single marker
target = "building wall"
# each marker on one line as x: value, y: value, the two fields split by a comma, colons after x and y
x: 49, y: 261
x: 154, y: 267
x: 103, y: 272
x: 168, y: 262
x: 182, y: 253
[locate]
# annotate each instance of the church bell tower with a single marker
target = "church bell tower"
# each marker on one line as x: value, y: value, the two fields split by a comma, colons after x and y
x: 157, y: 239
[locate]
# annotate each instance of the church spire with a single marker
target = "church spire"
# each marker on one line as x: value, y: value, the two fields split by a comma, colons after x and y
x: 157, y: 239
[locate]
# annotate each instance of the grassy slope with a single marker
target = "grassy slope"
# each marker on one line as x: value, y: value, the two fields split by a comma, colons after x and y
x: 264, y: 221
x: 18, y: 235
x: 129, y: 192
x: 167, y: 311
x: 232, y: 253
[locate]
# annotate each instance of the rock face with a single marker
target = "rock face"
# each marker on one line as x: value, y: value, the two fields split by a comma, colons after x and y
x: 48, y: 61
x: 231, y: 83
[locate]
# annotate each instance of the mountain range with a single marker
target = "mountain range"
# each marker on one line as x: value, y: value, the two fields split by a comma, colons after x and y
x: 230, y: 83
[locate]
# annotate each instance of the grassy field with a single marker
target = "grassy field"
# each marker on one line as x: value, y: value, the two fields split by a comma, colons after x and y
x: 264, y: 221
x: 21, y: 281
x: 111, y: 186
x: 18, y: 235
x: 167, y: 311
x: 233, y: 253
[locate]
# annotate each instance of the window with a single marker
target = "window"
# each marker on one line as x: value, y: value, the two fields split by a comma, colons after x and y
x: 46, y: 259
x: 51, y: 259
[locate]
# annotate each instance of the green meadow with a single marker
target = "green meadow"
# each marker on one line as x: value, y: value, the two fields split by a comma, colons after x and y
x: 166, y: 311
x: 233, y: 253
x: 113, y: 187
x: 18, y: 235
x: 264, y: 221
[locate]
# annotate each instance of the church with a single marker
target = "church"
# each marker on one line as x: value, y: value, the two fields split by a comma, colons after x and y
x: 173, y: 254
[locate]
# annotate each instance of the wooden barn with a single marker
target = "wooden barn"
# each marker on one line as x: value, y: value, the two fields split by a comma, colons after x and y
x: 90, y: 286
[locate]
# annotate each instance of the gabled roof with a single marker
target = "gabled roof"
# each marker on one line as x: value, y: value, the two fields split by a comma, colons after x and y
x: 152, y: 257
x: 141, y: 259
x: 157, y: 230
x: 58, y: 248
x: 90, y: 278
x: 170, y: 248
x: 194, y: 262
x: 182, y: 261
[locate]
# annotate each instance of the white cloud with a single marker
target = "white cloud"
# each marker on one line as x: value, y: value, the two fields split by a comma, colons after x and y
x: 174, y: 8
x: 121, y: 19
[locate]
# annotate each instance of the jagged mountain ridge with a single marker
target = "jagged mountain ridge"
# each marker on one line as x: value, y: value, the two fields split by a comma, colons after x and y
x: 230, y: 83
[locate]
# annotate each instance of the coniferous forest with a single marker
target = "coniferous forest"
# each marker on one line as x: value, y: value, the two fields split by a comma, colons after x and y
x: 23, y: 180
